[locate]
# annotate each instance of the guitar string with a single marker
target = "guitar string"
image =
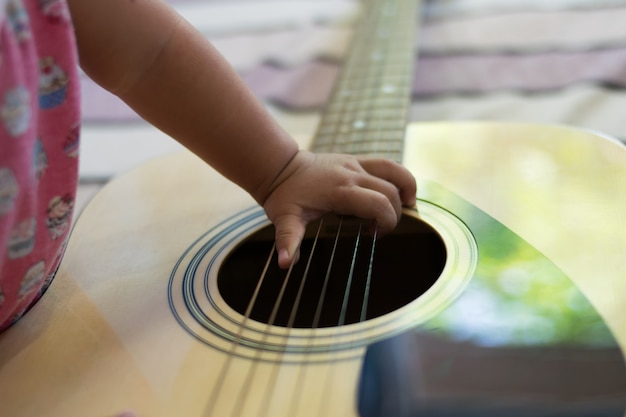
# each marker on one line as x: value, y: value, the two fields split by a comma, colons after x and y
x: 348, y: 289
x: 363, y: 113
x: 296, y: 303
x: 330, y: 374
x: 361, y: 84
x: 300, y: 378
x: 375, y: 81
x: 302, y: 369
x: 320, y: 303
x: 378, y: 79
x: 344, y: 124
x: 244, y: 393
x: 315, y: 324
x: 368, y: 281
x: 395, y: 75
x: 294, y: 401
x: 264, y: 409
x: 344, y: 306
x: 370, y: 79
x: 231, y: 354
x: 390, y: 11
x: 380, y: 84
x: 245, y: 387
x: 376, y: 84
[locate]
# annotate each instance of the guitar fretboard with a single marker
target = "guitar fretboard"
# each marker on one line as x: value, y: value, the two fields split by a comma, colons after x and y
x: 368, y: 109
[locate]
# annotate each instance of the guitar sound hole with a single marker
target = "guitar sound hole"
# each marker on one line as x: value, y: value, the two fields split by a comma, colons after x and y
x: 405, y: 264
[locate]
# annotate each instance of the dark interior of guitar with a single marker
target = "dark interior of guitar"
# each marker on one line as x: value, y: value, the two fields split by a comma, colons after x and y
x: 337, y: 277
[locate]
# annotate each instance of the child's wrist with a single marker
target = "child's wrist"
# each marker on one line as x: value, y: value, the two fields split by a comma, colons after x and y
x: 275, y: 175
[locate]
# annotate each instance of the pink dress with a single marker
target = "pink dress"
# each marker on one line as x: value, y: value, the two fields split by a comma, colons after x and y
x: 39, y: 138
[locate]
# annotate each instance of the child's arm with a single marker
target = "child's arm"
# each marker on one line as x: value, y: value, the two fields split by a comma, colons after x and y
x: 171, y: 75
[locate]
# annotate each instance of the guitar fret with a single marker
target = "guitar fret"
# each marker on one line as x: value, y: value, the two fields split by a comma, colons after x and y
x: 361, y: 111
x: 377, y: 105
x: 391, y: 151
x: 383, y: 142
x: 367, y: 112
x: 365, y: 148
x: 361, y: 117
x: 370, y: 136
x: 362, y: 126
x: 384, y: 85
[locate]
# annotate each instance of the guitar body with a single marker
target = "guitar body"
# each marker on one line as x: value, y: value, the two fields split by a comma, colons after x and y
x: 110, y: 334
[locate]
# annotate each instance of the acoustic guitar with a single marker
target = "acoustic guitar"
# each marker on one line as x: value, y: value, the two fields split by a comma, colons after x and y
x: 502, y: 294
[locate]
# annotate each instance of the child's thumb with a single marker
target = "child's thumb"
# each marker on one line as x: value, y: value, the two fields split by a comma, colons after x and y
x: 289, y: 233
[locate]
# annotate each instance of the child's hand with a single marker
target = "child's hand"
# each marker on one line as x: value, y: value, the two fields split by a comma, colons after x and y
x: 312, y: 185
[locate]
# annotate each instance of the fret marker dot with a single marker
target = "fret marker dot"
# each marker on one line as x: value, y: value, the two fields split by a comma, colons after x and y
x: 388, y: 88
x: 359, y: 124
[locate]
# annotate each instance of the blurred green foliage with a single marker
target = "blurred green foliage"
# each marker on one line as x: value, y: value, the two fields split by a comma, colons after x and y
x: 517, y: 297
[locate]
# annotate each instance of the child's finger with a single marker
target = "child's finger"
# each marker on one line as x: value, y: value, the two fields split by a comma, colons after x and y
x: 289, y: 233
x: 394, y: 173
x: 367, y: 203
x: 385, y: 188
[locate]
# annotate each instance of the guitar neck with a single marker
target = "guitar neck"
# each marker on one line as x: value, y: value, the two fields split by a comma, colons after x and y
x: 367, y: 112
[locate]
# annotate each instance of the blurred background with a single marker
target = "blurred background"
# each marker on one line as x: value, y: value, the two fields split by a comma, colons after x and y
x: 562, y: 61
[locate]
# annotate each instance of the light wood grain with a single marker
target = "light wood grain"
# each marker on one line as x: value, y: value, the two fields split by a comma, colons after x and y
x: 103, y: 339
